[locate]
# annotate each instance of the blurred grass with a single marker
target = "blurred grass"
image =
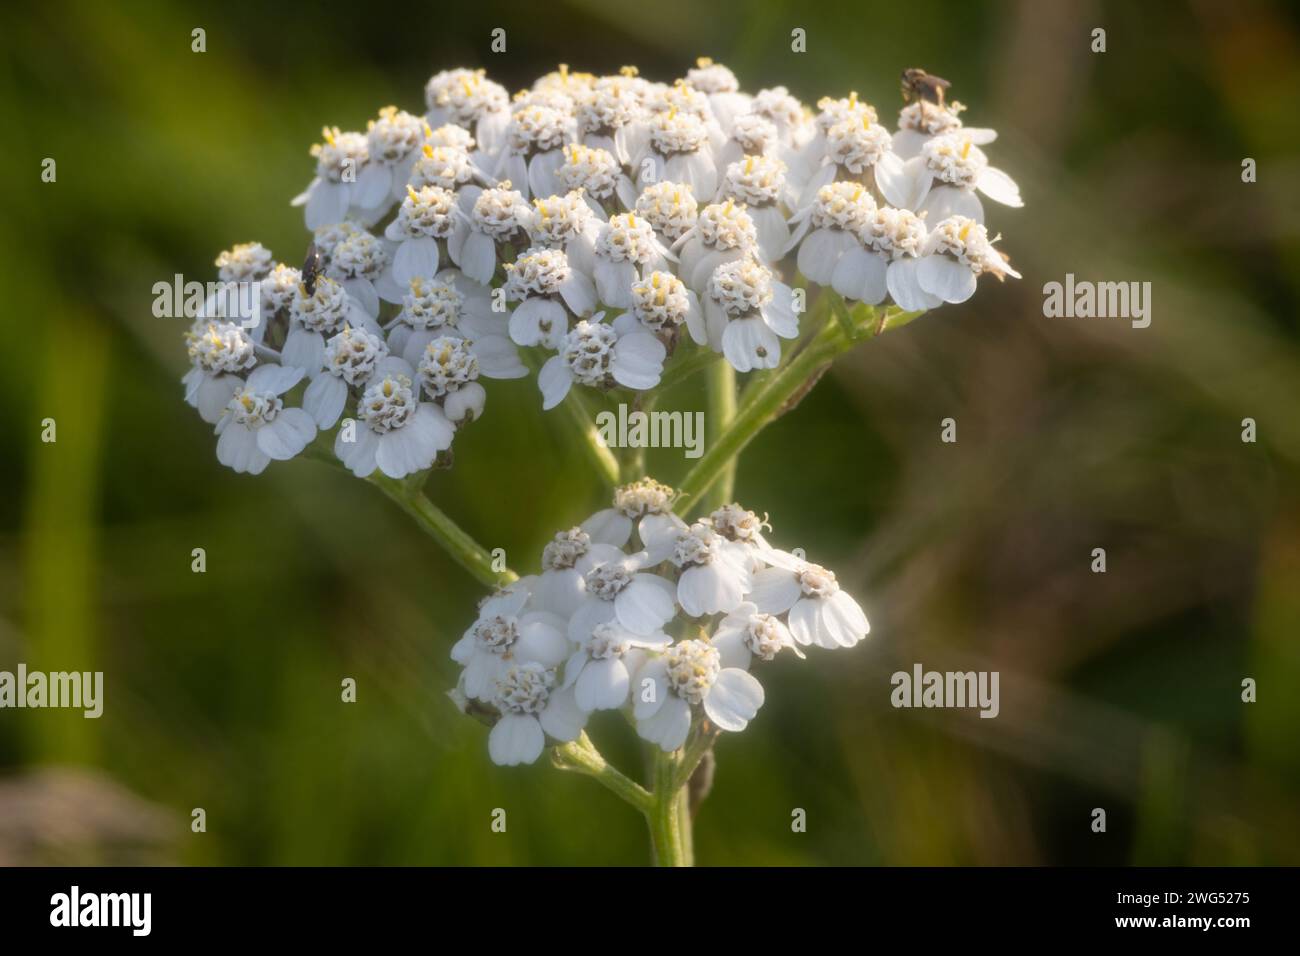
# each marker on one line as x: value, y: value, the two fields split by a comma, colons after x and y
x: 1119, y: 690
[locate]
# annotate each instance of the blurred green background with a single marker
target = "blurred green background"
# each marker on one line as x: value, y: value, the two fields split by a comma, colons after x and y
x: 1119, y: 690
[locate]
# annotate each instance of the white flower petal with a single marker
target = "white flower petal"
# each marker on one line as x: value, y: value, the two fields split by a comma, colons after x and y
x: 590, y: 614
x: 324, y: 399
x: 749, y: 344
x: 214, y: 394
x: 659, y: 536
x: 603, y: 685
x: 614, y: 283
x: 554, y: 380
x: 497, y: 357
x: 277, y: 379
x: 538, y: 321
x: 820, y: 252
x: 843, y: 620
x: 291, y: 432
x: 579, y: 293
x: 516, y: 739
x: 563, y: 719
x: 669, y: 726
x: 609, y: 526
x: 999, y: 187
x: 303, y: 349
x: 804, y: 621
x: 779, y: 314
x: 638, y: 360
x: 237, y: 449
x: 903, y: 184
x: 711, y: 588
x: 860, y: 275
x: 327, y: 204
x: 542, y: 639
x: 734, y: 699
x: 774, y: 590
x: 465, y: 404
x: 946, y: 278
x: 649, y: 688
x: 905, y: 288
x: 945, y: 201
x: 478, y: 257
x: 373, y: 185
x: 733, y: 649
x: 644, y: 606
x: 415, y: 258
x: 358, y: 456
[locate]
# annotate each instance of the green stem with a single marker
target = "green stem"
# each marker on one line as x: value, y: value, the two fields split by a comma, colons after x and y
x: 469, y: 554
x: 584, y: 420
x: 581, y: 416
x: 693, y: 753
x: 765, y: 401
x: 685, y: 827
x: 722, y: 410
x: 758, y: 411
x: 670, y: 821
x: 634, y: 467
x: 581, y: 756
x: 684, y: 366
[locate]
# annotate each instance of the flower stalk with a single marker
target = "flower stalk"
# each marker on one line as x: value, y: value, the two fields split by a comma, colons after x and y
x: 722, y: 410
x: 584, y: 420
x: 581, y: 756
x: 467, y: 552
x: 670, y: 820
x: 769, y: 400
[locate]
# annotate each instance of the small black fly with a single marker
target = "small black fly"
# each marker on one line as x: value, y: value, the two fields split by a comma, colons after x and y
x: 313, y: 268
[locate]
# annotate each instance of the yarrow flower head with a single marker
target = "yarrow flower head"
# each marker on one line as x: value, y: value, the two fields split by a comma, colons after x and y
x: 662, y: 302
x: 340, y: 159
x: 219, y: 352
x: 593, y: 217
x: 447, y: 167
x: 625, y: 247
x: 256, y: 427
x: 547, y: 288
x: 942, y: 180
x: 958, y: 251
x: 536, y: 137
x: 565, y: 222
x: 348, y: 360
x: 598, y: 173
x: 680, y: 150
x: 669, y: 207
x: 921, y: 121
x: 470, y: 100
x: 393, y: 143
x: 746, y: 313
x: 599, y: 355
x: 398, y: 434
x: 246, y: 262
x: 610, y: 620
x: 573, y: 232
x: 885, y: 260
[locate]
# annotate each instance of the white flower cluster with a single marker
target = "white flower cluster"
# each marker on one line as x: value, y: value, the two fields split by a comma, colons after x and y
x: 637, y: 610
x: 606, y: 214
